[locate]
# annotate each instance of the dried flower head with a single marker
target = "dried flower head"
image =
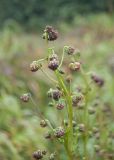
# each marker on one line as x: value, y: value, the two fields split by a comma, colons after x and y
x: 74, y: 66
x: 25, y: 97
x: 69, y: 50
x: 81, y: 127
x: 76, y: 99
x: 98, y: 80
x: 43, y: 123
x: 50, y: 33
x: 53, y: 64
x: 55, y: 94
x: 53, y: 56
x: 34, y: 66
x: 38, y: 155
x: 59, y: 132
x: 60, y: 106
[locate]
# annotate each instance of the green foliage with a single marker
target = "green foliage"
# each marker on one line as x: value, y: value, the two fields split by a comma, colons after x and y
x: 35, y: 13
x: 20, y: 134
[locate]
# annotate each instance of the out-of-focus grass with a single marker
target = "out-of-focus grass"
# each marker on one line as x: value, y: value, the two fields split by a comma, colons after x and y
x: 20, y: 134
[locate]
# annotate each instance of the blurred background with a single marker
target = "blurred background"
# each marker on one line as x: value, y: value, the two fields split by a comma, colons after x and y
x: 84, y: 24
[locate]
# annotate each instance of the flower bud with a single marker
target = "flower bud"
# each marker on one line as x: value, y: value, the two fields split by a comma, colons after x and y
x: 50, y: 33
x: 98, y: 80
x: 55, y: 94
x: 76, y: 99
x: 38, y: 155
x: 81, y: 127
x: 69, y: 50
x: 53, y: 65
x: 25, y: 97
x: 43, y: 123
x: 60, y: 106
x: 34, y: 66
x: 59, y: 132
x: 74, y: 66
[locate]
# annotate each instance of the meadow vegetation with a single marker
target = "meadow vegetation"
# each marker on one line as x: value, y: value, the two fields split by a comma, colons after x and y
x: 20, y: 131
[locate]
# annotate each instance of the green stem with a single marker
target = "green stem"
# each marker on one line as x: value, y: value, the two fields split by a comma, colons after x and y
x: 70, y: 115
x: 62, y: 58
x: 70, y: 157
x: 67, y: 97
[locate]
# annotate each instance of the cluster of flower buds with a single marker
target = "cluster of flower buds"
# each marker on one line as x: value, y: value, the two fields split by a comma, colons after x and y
x: 25, y: 97
x: 74, y: 66
x: 53, y: 56
x: 54, y: 93
x: 50, y: 33
x: 76, y: 99
x: 59, y: 132
x: 39, y: 154
x: 71, y: 50
x: 98, y: 80
x: 53, y: 65
x: 35, y: 66
x: 53, y: 62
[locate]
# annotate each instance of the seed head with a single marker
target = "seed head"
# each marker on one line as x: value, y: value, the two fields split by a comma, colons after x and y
x: 25, y: 97
x: 34, y: 66
x: 59, y: 132
x: 74, y: 66
x: 43, y: 123
x: 76, y: 99
x: 50, y: 33
x: 52, y: 156
x: 69, y: 50
x: 38, y: 155
x: 53, y: 65
x: 48, y: 135
x: 54, y: 93
x: 81, y: 127
x: 98, y: 80
x: 53, y: 56
x: 60, y: 106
